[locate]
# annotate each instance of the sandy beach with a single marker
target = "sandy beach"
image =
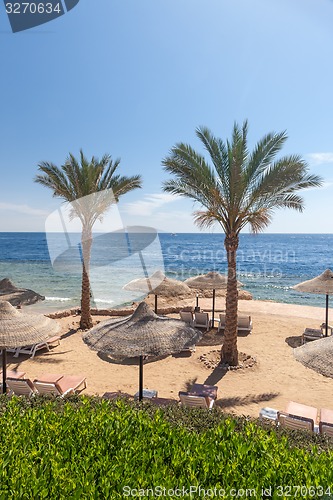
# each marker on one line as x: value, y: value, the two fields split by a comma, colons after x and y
x: 275, y: 379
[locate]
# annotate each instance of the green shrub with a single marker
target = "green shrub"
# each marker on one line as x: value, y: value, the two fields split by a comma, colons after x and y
x: 92, y: 448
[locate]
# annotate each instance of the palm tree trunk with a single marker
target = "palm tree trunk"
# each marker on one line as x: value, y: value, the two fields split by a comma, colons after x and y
x: 229, y: 352
x: 86, y: 242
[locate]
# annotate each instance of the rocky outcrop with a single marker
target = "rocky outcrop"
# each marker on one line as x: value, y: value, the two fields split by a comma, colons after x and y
x: 18, y: 296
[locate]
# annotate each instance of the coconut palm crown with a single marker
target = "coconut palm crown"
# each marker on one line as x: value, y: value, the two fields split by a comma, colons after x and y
x: 74, y: 181
x: 237, y: 188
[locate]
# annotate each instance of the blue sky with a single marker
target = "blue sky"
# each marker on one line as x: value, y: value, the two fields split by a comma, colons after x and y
x: 132, y: 78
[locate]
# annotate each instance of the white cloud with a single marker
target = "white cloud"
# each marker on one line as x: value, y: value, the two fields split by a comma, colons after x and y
x: 22, y: 209
x: 320, y: 158
x: 149, y: 205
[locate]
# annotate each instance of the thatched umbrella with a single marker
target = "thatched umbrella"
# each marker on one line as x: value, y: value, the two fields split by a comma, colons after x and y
x: 323, y: 285
x: 213, y: 281
x: 317, y: 355
x: 144, y: 333
x: 158, y: 284
x: 18, y: 329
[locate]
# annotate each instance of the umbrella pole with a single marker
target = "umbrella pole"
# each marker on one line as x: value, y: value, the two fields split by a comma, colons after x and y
x: 155, y: 304
x: 326, y: 324
x: 141, y: 377
x: 213, y: 309
x: 197, y: 300
x: 4, y: 371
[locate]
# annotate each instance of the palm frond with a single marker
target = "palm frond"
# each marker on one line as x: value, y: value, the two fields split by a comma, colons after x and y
x: 219, y: 155
x: 87, y: 184
x: 240, y: 187
x: 263, y: 155
x: 55, y: 179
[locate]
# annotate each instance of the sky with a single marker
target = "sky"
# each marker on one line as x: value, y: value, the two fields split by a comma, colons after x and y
x: 132, y: 78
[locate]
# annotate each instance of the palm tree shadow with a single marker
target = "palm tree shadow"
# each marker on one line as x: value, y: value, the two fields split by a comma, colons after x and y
x: 217, y: 374
x: 245, y: 400
x: 53, y: 358
x: 69, y: 333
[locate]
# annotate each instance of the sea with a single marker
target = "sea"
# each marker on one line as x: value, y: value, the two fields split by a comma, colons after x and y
x: 268, y: 265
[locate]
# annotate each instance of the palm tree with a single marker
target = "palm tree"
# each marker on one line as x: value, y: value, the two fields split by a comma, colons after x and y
x: 91, y: 187
x: 239, y: 188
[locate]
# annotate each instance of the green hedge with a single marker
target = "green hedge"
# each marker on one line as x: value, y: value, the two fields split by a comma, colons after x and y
x: 92, y: 448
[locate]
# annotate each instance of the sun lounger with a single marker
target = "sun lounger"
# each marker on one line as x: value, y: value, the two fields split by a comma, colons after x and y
x: 12, y: 374
x: 244, y: 323
x: 187, y: 317
x: 59, y: 385
x: 32, y: 349
x: 208, y: 391
x: 193, y: 401
x: 329, y: 328
x: 299, y: 416
x: 312, y: 334
x: 302, y: 410
x: 146, y: 394
x: 295, y: 422
x: 201, y: 320
x: 20, y: 387
x: 326, y: 422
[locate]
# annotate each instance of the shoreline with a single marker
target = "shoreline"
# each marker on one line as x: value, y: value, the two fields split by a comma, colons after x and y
x: 253, y: 305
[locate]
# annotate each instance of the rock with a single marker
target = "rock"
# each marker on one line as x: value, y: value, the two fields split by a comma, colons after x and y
x: 18, y: 296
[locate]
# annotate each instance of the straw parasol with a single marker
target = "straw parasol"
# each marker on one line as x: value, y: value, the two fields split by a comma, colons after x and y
x: 323, y: 285
x: 317, y: 355
x: 213, y: 281
x: 18, y: 329
x: 144, y: 333
x: 158, y: 284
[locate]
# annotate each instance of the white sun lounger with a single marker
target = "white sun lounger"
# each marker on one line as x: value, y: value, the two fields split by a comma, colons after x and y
x: 59, y: 385
x: 32, y: 349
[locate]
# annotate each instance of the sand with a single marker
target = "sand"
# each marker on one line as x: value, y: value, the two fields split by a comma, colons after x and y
x: 275, y: 379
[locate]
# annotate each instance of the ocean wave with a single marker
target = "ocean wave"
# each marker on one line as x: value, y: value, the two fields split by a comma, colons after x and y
x: 104, y: 301
x: 58, y: 299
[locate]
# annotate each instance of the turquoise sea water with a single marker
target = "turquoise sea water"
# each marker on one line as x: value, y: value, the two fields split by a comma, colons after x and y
x: 268, y: 264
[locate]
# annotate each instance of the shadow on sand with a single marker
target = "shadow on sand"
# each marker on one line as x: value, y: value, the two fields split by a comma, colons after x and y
x: 129, y: 361
x: 294, y: 341
x: 245, y: 400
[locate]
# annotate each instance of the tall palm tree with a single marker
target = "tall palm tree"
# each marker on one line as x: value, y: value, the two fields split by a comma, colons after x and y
x: 239, y: 187
x: 87, y: 186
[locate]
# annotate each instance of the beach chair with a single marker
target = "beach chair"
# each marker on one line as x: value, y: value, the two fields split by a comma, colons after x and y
x: 326, y: 422
x: 329, y: 329
x: 244, y: 323
x: 187, y: 317
x: 295, y: 422
x: 310, y: 334
x: 193, y: 401
x: 32, y: 349
x: 11, y: 374
x: 60, y: 385
x: 221, y: 325
x: 21, y: 387
x: 201, y: 320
